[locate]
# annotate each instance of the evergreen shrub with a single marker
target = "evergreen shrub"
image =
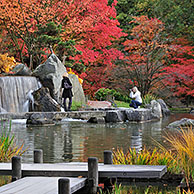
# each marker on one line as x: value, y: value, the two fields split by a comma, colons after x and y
x: 104, y: 93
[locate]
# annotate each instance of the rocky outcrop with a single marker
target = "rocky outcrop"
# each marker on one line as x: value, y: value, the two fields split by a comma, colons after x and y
x: 41, y: 119
x: 99, y: 120
x: 164, y: 108
x: 50, y: 74
x: 115, y: 116
x: 78, y: 93
x: 181, y: 123
x: 151, y: 112
x: 156, y: 111
x: 43, y: 102
x: 22, y: 70
x: 138, y: 115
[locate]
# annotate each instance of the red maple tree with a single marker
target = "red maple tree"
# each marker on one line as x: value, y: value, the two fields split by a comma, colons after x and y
x: 179, y: 75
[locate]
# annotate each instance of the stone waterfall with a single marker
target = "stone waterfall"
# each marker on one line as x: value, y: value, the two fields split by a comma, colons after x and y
x: 15, y: 92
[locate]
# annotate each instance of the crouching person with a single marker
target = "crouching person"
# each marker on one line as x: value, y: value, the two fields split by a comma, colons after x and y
x: 135, y: 94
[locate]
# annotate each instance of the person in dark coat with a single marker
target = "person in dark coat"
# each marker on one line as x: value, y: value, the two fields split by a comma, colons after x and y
x: 67, y: 92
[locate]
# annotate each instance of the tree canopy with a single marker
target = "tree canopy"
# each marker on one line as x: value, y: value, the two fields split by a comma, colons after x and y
x: 108, y: 43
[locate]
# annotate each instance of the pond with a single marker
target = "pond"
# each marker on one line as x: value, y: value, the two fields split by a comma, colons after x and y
x: 75, y: 140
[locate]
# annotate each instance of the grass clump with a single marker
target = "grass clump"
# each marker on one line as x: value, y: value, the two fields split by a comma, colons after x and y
x: 122, y: 104
x: 146, y: 157
x: 8, y: 147
x: 76, y: 106
x: 148, y: 98
x: 179, y: 158
x: 182, y: 142
x: 119, y: 189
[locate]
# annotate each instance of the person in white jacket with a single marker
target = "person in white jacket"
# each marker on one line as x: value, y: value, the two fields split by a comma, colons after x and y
x: 135, y: 94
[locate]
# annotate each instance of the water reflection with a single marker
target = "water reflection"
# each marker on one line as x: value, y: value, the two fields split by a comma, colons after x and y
x: 76, y: 141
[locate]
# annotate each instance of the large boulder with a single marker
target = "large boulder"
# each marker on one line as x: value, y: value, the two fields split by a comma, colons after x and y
x: 78, y: 93
x: 41, y: 119
x: 165, y: 110
x: 156, y: 110
x: 114, y: 116
x: 139, y: 114
x: 50, y: 74
x: 43, y: 102
x: 181, y: 123
x: 22, y: 70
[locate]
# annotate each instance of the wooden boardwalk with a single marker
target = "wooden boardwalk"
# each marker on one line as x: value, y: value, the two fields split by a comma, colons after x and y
x: 81, y: 169
x: 40, y: 185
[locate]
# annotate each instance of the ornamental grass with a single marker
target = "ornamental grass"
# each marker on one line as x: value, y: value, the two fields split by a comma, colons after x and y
x: 182, y: 142
x: 146, y: 157
x: 8, y: 147
x: 119, y: 189
x: 179, y: 157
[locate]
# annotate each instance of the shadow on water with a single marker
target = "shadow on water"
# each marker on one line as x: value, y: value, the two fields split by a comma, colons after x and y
x: 77, y: 140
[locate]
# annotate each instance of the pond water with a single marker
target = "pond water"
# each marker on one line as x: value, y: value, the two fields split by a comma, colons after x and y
x: 75, y: 140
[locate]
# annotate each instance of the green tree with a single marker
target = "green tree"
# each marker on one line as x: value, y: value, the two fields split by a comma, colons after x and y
x: 177, y: 15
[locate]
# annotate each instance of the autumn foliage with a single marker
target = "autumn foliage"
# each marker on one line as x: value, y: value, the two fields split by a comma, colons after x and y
x: 179, y: 75
x: 6, y: 63
x: 84, y: 31
x: 146, y: 53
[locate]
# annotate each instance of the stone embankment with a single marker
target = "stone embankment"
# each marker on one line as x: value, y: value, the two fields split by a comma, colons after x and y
x: 93, y: 115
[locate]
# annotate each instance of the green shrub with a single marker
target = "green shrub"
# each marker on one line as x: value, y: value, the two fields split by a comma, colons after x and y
x: 105, y: 93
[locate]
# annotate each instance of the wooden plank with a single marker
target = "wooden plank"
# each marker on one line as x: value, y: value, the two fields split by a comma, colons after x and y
x: 81, y: 169
x: 17, y: 185
x: 40, y: 185
x: 5, y: 169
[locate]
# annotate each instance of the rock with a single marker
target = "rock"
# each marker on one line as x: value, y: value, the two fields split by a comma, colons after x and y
x: 141, y: 114
x: 43, y: 102
x: 78, y: 93
x: 165, y: 110
x: 41, y: 119
x: 50, y: 74
x: 99, y: 120
x: 181, y: 123
x: 21, y: 70
x: 114, y: 116
x: 156, y: 111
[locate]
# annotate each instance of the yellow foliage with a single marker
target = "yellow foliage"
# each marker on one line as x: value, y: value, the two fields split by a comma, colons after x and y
x: 6, y: 63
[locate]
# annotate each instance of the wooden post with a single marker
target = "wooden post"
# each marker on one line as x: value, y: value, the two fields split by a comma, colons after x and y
x: 64, y: 186
x: 108, y: 157
x: 38, y: 156
x: 16, y: 168
x: 92, y: 175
